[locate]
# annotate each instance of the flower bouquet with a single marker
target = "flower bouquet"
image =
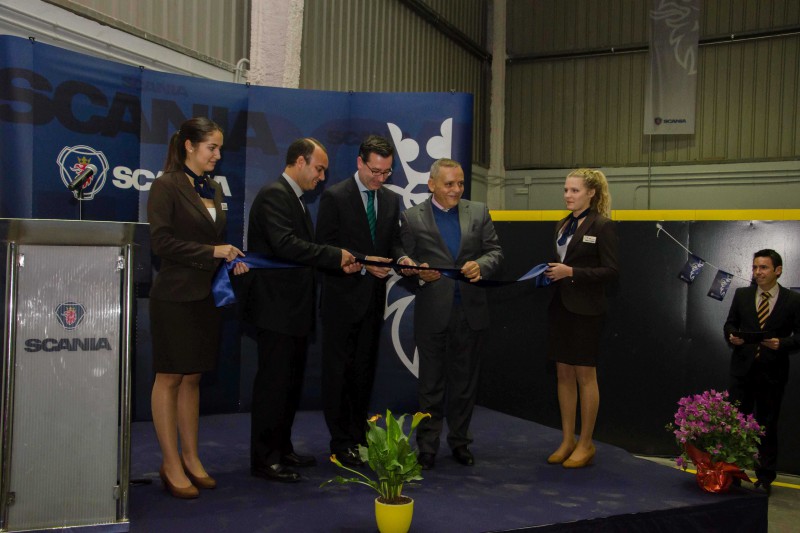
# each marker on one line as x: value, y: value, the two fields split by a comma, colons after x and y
x: 716, y: 437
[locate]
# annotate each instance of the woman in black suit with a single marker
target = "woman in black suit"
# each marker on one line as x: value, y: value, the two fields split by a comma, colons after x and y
x: 586, y: 247
x: 187, y: 228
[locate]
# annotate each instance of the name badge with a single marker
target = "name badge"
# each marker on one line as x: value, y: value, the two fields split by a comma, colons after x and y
x: 591, y: 239
x: 224, y: 206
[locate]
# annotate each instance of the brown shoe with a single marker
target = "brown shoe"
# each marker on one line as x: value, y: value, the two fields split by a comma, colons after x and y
x: 206, y: 482
x: 184, y: 493
x: 580, y: 462
x: 557, y: 458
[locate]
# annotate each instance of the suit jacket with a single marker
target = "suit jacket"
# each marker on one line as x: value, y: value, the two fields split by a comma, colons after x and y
x: 183, y: 236
x: 342, y: 222
x: 592, y: 254
x: 424, y: 244
x: 784, y: 321
x: 282, y: 299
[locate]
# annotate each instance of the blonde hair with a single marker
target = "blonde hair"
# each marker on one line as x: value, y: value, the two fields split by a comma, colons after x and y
x: 596, y: 181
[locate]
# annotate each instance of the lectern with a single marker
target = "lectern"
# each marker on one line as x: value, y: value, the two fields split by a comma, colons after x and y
x: 66, y: 375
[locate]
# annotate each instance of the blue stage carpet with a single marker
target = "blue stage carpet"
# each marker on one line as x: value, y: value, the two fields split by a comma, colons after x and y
x: 511, y: 487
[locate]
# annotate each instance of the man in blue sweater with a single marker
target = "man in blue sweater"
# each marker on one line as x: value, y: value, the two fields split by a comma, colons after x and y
x: 450, y: 315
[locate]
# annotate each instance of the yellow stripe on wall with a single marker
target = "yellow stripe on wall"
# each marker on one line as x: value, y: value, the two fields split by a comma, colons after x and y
x: 655, y: 215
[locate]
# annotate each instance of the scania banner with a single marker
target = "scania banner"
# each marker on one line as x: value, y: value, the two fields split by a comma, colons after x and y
x: 61, y: 111
x: 671, y: 89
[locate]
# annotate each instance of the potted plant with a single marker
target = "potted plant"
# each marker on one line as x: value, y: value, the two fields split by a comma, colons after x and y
x: 389, y: 455
x: 718, y: 438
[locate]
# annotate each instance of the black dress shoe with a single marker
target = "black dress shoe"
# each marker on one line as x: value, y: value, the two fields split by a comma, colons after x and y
x: 426, y: 460
x: 765, y: 486
x: 275, y: 472
x: 464, y: 456
x: 349, y: 457
x: 293, y: 459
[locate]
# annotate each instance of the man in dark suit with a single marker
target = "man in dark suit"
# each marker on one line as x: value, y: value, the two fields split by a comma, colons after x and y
x: 450, y: 316
x: 357, y: 214
x: 280, y: 303
x: 760, y: 369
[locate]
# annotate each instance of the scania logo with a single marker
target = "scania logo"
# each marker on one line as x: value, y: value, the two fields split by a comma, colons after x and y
x: 70, y: 314
x: 659, y: 121
x: 398, y: 299
x: 89, y: 344
x: 71, y: 162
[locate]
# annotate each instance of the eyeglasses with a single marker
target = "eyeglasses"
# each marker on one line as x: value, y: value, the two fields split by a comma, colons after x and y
x: 384, y: 173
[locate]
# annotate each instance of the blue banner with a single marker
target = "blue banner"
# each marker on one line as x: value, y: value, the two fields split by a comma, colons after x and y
x: 61, y: 111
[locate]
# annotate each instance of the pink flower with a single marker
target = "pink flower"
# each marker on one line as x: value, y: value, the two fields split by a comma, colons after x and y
x: 714, y: 424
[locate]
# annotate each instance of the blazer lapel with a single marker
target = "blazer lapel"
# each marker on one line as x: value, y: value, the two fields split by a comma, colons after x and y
x: 383, y: 205
x: 306, y: 217
x: 579, y: 233
x: 748, y: 308
x: 298, y: 207
x: 776, y: 311
x: 357, y: 207
x: 464, y: 216
x: 191, y: 196
x: 559, y: 225
x: 426, y: 215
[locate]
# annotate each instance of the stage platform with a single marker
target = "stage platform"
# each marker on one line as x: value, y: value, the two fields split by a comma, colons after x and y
x: 511, y: 488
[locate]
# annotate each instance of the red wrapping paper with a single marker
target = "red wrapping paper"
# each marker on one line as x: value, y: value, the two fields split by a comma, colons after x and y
x: 713, y: 477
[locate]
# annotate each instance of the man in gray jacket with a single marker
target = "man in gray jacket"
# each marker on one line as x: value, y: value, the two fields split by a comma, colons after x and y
x: 450, y: 315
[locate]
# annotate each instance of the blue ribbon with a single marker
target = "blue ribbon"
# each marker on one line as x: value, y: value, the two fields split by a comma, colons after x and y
x: 222, y: 289
x: 537, y: 274
x: 221, y: 286
x: 454, y: 273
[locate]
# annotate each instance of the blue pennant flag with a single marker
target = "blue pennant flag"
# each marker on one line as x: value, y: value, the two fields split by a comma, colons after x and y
x: 720, y: 285
x: 691, y: 269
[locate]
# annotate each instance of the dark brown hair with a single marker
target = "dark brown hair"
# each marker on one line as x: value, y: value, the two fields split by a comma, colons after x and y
x: 302, y: 147
x: 196, y: 130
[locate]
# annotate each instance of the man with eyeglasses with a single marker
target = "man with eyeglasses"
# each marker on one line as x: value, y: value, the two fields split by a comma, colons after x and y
x: 360, y: 215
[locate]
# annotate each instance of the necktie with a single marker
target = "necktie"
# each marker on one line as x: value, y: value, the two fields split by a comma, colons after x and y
x: 309, y: 222
x: 763, y: 309
x: 371, y: 220
x: 763, y: 314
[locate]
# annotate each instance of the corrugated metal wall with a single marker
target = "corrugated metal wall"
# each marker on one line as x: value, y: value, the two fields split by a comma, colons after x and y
x: 217, y: 30
x: 566, y: 112
x: 384, y: 46
x: 469, y: 16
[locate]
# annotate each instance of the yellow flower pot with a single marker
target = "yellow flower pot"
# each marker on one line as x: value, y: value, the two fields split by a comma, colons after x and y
x: 394, y: 518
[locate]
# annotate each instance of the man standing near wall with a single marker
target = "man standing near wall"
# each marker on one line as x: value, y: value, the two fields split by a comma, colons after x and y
x: 760, y: 369
x: 357, y: 214
x: 450, y: 316
x: 280, y: 303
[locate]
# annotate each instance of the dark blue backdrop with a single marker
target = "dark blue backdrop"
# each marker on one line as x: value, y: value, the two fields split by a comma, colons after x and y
x: 60, y: 111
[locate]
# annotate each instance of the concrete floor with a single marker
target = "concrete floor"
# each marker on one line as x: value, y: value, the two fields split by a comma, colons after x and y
x: 784, y: 503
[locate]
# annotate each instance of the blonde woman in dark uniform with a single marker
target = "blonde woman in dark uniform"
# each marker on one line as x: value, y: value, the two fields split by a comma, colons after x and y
x: 187, y: 228
x: 586, y: 247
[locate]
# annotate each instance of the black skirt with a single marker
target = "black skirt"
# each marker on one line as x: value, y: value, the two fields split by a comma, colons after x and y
x: 571, y: 338
x: 185, y: 335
